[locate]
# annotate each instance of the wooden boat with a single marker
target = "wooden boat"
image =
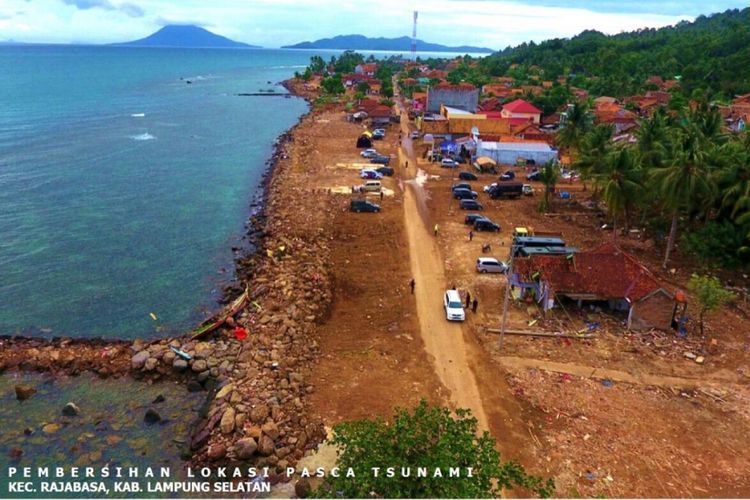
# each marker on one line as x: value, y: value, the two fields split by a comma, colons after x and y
x: 214, y: 323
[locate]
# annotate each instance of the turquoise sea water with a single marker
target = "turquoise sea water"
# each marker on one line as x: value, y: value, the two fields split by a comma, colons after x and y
x: 122, y: 187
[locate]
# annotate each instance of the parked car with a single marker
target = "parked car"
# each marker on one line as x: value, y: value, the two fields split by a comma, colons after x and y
x: 448, y: 163
x: 454, y: 308
x: 509, y: 175
x: 489, y: 187
x: 491, y: 265
x: 464, y: 194
x: 486, y: 225
x: 461, y: 185
x: 381, y: 159
x: 369, y: 153
x: 470, y: 205
x: 387, y: 171
x: 363, y: 206
x: 509, y: 189
x: 414, y: 134
x: 378, y: 133
x: 467, y: 176
x: 470, y: 219
x: 528, y: 190
x: 533, y: 176
x: 370, y: 173
x: 371, y: 186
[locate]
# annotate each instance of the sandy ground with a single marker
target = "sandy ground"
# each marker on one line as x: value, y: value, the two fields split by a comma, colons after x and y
x: 621, y: 414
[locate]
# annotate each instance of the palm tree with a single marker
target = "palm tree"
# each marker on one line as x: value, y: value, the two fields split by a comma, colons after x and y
x: 734, y: 180
x: 578, y: 122
x: 620, y: 183
x: 653, y: 140
x: 594, y: 148
x: 685, y: 179
x: 548, y: 175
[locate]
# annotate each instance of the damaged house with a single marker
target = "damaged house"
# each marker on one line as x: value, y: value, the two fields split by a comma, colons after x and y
x: 605, y: 276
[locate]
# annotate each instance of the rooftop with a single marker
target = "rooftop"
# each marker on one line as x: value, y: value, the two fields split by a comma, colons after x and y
x: 521, y: 106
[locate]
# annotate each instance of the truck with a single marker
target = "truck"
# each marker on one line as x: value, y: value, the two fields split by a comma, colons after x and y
x: 522, y: 242
x: 525, y: 231
x: 509, y: 189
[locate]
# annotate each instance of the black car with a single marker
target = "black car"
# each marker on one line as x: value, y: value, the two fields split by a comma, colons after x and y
x: 387, y: 171
x: 470, y: 219
x: 533, y: 176
x: 464, y: 194
x: 508, y: 176
x: 485, y: 225
x: 380, y: 159
x: 461, y: 185
x: 470, y: 205
x: 467, y: 176
x: 363, y: 206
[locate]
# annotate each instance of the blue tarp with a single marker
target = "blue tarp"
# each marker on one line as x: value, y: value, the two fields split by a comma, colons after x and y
x: 449, y: 146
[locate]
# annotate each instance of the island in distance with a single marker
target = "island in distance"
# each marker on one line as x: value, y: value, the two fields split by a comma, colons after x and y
x: 360, y: 42
x: 186, y: 36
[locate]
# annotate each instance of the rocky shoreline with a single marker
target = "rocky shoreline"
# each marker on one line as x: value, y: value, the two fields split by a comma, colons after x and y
x: 256, y: 410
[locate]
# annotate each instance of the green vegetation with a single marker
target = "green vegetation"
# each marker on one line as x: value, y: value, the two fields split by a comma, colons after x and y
x: 429, y: 437
x: 709, y: 293
x: 711, y: 54
x: 548, y: 175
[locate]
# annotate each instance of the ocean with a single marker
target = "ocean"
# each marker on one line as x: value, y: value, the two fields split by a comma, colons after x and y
x: 123, y: 187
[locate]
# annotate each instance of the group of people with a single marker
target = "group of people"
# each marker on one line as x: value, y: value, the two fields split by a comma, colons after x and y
x: 470, y: 303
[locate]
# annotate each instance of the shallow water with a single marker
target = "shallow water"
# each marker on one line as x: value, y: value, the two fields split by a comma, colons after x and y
x: 109, y: 430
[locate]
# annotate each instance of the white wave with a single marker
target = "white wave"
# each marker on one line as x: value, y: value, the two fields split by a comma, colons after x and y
x: 143, y: 137
x: 138, y: 115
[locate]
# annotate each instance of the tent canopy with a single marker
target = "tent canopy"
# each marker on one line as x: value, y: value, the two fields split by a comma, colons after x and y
x: 485, y: 160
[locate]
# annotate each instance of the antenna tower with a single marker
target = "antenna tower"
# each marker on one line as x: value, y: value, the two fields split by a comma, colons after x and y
x: 414, y: 37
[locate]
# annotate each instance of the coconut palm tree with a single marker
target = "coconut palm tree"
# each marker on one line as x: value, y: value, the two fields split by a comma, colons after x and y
x: 594, y: 148
x: 684, y: 179
x: 578, y: 121
x: 619, y: 181
x: 548, y: 175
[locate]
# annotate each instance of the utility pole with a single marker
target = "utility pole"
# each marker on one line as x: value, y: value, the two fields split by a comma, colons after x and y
x: 508, y: 276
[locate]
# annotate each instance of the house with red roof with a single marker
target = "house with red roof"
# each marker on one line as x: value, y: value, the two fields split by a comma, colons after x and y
x: 520, y: 111
x: 367, y: 69
x: 606, y: 276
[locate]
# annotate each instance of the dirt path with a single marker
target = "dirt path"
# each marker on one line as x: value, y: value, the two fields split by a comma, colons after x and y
x: 614, y: 375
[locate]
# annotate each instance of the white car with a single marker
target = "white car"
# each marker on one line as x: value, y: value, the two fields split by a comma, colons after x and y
x: 489, y: 187
x: 369, y: 153
x: 454, y: 308
x: 491, y: 265
x: 448, y: 163
x: 370, y: 173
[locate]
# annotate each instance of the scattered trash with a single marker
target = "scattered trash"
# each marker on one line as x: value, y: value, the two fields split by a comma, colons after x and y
x: 240, y: 333
x: 565, y: 377
x: 181, y: 353
x: 591, y: 476
x: 700, y: 360
x: 587, y: 437
x: 689, y: 355
x: 607, y: 383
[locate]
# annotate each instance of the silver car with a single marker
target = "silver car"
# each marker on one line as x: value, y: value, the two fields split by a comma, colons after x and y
x: 491, y: 265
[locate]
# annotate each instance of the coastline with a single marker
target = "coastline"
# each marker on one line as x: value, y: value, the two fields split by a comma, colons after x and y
x: 255, y: 388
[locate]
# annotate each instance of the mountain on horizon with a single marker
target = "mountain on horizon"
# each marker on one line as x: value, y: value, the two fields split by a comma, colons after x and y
x: 186, y: 36
x: 360, y: 42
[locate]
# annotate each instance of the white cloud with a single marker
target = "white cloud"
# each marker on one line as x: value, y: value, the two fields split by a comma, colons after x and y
x: 272, y: 23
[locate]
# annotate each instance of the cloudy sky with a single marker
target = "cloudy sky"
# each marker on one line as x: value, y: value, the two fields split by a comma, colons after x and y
x: 272, y: 23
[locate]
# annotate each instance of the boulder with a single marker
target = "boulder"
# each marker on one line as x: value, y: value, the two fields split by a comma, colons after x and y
x: 265, y: 446
x: 200, y: 365
x: 302, y: 488
x: 24, y: 392
x: 71, y: 410
x: 216, y: 451
x: 260, y: 413
x: 139, y: 359
x: 227, y: 421
x: 159, y: 399
x: 227, y: 389
x: 151, y: 364
x: 179, y: 364
x: 152, y: 416
x: 245, y: 448
x: 270, y: 429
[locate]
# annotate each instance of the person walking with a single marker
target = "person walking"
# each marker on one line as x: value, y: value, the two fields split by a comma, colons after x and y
x: 471, y: 235
x: 411, y: 285
x: 436, y: 229
x: 406, y: 164
x: 381, y: 195
x: 468, y: 299
x: 474, y: 305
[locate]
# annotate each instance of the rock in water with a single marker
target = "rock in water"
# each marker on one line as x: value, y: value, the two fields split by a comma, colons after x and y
x: 71, y: 410
x: 194, y: 386
x: 24, y: 392
x: 245, y: 448
x: 152, y: 416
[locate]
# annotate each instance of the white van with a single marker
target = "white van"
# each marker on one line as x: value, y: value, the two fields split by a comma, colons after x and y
x: 371, y: 186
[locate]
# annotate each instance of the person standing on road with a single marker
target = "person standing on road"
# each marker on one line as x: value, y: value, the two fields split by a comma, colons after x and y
x: 411, y: 285
x: 471, y: 235
x: 436, y: 229
x: 406, y: 165
x: 468, y: 299
x: 381, y: 195
x: 474, y: 305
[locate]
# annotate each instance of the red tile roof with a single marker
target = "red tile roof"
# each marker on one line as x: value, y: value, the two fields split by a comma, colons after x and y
x: 454, y: 86
x: 521, y: 106
x: 605, y: 272
x: 380, y: 112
